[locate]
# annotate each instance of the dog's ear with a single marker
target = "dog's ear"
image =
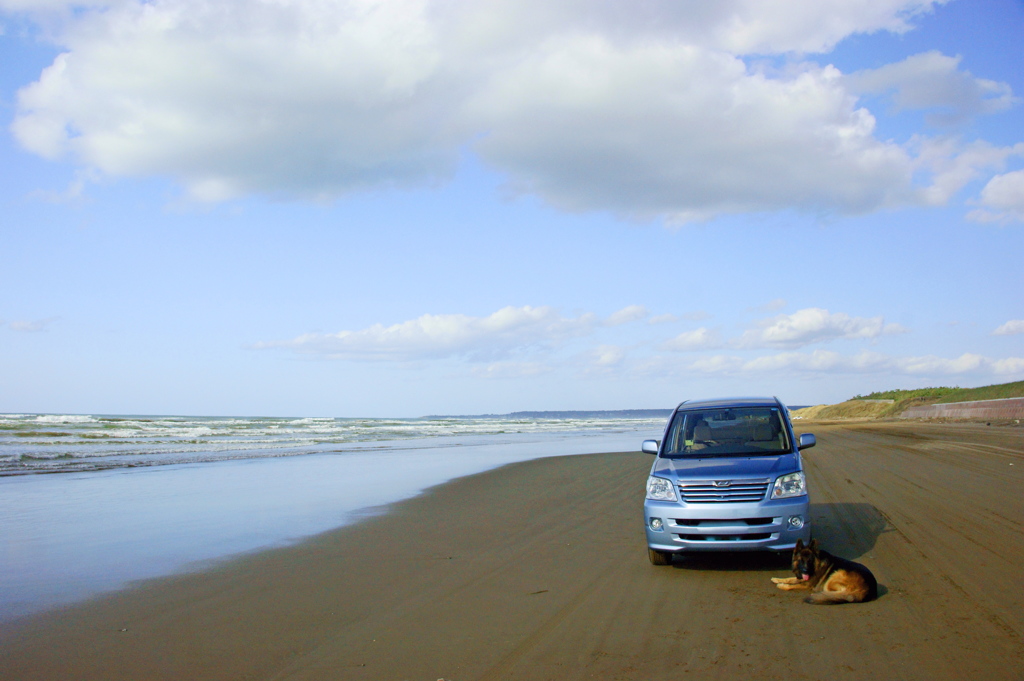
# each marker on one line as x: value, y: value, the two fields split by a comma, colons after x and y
x: 813, y: 546
x: 799, y: 545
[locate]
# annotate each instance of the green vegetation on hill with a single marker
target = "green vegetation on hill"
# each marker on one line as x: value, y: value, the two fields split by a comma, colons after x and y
x: 898, y: 395
x: 903, y: 399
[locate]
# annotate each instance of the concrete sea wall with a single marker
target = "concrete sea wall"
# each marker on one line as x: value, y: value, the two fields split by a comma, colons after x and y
x: 1009, y: 408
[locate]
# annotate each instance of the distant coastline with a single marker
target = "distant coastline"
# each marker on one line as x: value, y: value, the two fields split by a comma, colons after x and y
x: 597, y: 414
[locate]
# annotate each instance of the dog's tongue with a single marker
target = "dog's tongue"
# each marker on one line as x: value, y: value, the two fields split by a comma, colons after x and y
x: 805, y: 577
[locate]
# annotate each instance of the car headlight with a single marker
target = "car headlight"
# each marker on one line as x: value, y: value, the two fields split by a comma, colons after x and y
x: 660, y: 489
x: 791, y: 485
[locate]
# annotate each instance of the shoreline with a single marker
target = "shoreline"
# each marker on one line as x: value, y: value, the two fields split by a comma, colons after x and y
x: 321, y: 581
x: 538, y: 570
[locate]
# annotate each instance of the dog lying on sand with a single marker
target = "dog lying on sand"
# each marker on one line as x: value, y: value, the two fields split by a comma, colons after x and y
x: 831, y: 580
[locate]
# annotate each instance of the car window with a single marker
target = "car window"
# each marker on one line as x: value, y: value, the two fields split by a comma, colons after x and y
x: 751, y: 431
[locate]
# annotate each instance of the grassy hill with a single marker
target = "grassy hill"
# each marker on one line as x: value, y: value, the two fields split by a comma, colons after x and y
x: 851, y: 409
x: 894, y: 402
x: 902, y: 399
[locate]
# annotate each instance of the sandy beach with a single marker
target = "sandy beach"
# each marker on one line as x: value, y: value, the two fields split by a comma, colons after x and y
x: 538, y: 570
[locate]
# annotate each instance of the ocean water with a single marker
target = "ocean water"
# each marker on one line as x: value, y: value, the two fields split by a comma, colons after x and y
x: 61, y: 443
x: 126, y: 498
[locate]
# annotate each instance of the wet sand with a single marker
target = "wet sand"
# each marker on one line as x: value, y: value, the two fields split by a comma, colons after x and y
x: 538, y: 570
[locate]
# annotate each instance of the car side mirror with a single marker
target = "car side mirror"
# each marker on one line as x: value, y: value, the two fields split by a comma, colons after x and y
x: 650, y: 446
x: 807, y: 440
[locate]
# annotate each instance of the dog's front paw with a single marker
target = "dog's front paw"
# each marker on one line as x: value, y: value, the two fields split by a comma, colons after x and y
x: 778, y: 580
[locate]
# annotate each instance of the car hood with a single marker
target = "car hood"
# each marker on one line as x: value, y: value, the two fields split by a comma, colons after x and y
x: 727, y: 467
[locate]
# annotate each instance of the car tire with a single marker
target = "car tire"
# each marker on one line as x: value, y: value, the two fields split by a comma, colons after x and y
x: 659, y: 557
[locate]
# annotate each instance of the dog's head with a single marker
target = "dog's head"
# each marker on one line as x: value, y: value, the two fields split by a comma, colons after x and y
x: 804, y: 559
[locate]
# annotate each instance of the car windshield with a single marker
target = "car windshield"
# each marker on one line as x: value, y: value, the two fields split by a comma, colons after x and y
x: 748, y: 431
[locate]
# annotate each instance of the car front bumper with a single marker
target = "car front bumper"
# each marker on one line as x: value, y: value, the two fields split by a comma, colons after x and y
x: 764, y: 526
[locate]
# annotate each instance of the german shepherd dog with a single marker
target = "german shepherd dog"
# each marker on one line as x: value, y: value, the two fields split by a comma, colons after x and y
x: 831, y: 580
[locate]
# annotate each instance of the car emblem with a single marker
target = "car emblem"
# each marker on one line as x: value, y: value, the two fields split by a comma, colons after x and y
x: 723, y: 483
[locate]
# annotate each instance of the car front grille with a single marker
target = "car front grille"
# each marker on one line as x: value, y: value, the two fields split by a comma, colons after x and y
x: 725, y: 537
x: 718, y: 522
x: 716, y: 492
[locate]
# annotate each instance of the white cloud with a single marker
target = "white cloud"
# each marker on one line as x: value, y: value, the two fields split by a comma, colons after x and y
x: 564, y: 123
x: 524, y: 342
x: 771, y: 306
x: 317, y: 98
x: 628, y: 314
x: 759, y: 26
x: 601, y: 360
x: 732, y: 26
x: 698, y: 339
x: 33, y: 326
x: 608, y: 355
x: 828, y: 362
x: 509, y: 330
x: 446, y: 335
x: 814, y: 325
x: 303, y: 99
x: 511, y: 370
x: 934, y: 81
x: 40, y: 6
x: 1010, y: 328
x: 1003, y: 196
x: 716, y: 364
x: 942, y: 365
x: 1011, y: 366
x: 74, y: 193
x: 951, y: 164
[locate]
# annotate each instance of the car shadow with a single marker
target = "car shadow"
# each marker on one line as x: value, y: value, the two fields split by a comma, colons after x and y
x: 733, y: 561
x: 848, y: 530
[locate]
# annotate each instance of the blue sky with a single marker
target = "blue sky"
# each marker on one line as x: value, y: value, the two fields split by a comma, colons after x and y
x: 363, y: 208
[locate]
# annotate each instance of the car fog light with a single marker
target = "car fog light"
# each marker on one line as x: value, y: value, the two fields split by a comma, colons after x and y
x: 795, y: 522
x: 656, y: 524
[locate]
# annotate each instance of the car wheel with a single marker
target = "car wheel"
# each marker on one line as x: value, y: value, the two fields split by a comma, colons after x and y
x: 659, y: 557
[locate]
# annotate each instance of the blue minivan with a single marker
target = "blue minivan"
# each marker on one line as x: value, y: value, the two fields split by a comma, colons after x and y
x: 727, y: 477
